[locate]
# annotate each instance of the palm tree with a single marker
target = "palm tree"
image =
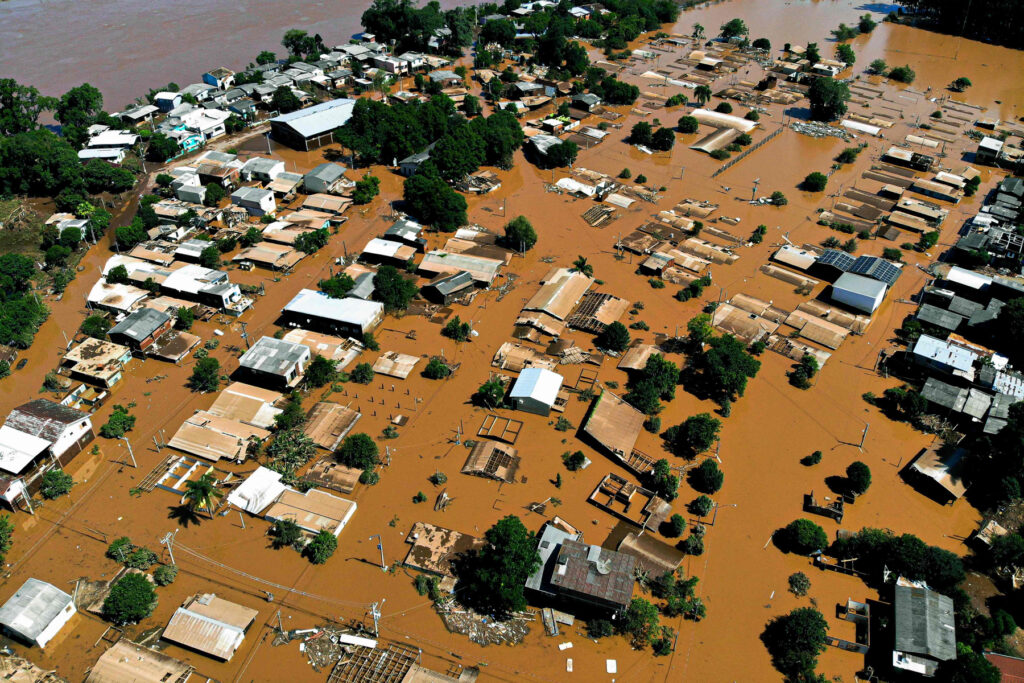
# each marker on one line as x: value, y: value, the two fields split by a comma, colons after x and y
x: 202, y: 493
x: 581, y: 265
x: 698, y: 32
x: 702, y: 93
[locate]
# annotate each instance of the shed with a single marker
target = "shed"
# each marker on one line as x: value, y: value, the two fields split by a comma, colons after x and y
x: 445, y: 289
x: 858, y: 292
x: 536, y: 390
x: 36, y: 612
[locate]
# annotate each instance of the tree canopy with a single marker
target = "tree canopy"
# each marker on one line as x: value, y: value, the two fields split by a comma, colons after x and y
x: 392, y: 289
x: 359, y: 451
x: 130, y: 600
x: 794, y: 642
x: 519, y: 234
x: 722, y: 371
x: 494, y: 577
x: 828, y: 98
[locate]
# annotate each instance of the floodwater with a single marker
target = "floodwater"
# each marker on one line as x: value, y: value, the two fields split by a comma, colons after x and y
x: 126, y: 47
x: 743, y: 576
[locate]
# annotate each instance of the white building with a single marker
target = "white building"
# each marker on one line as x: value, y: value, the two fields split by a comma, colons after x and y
x: 858, y: 292
x: 37, y: 612
x: 314, y: 310
x: 536, y: 390
x: 255, y: 200
x: 262, y: 169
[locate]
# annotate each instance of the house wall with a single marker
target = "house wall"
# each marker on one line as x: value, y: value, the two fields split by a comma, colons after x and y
x: 56, y: 625
x: 73, y: 439
x: 857, y: 301
x: 530, y: 405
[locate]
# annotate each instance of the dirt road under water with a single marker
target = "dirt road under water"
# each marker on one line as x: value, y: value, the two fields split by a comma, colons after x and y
x: 743, y: 577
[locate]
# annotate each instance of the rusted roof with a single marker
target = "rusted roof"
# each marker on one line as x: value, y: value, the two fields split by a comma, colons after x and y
x: 210, y: 625
x: 434, y: 547
x: 493, y: 460
x: 592, y: 571
x: 614, y: 424
x: 127, y: 662
x: 44, y: 418
x: 329, y: 423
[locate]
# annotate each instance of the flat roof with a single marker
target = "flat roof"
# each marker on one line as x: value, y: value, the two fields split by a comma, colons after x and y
x: 246, y: 403
x: 314, y: 510
x: 435, y: 547
x: 329, y: 423
x: 128, y: 662
x: 205, y: 435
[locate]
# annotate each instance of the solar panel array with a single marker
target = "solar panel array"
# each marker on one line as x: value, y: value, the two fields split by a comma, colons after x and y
x: 837, y: 259
x: 876, y: 268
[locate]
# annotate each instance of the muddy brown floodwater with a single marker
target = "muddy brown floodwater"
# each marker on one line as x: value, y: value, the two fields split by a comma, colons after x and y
x: 742, y: 575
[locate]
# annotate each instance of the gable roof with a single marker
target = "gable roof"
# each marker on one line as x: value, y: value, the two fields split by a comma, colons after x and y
x: 141, y: 323
x: 319, y: 118
x: 44, y: 418
x: 33, y: 608
x: 924, y: 623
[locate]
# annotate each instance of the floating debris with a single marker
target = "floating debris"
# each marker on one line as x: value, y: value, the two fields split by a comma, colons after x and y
x: 819, y: 130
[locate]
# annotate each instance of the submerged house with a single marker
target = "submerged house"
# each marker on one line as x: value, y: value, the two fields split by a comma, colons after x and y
x: 36, y: 612
x: 925, y: 629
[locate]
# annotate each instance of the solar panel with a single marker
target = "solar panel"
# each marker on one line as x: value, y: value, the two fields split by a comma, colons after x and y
x: 876, y: 268
x: 837, y: 259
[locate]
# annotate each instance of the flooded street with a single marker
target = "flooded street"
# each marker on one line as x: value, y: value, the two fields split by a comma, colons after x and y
x: 743, y: 576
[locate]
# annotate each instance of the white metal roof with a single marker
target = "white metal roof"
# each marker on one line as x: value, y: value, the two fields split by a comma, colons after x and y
x: 18, y: 448
x: 943, y: 352
x: 258, y: 491
x: 384, y: 248
x: 348, y: 310
x: 319, y: 118
x: 538, y: 384
x: 32, y: 609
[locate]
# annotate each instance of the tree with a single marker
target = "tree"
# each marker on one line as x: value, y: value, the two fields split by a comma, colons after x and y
x: 614, y: 337
x: 337, y: 286
x: 968, y: 667
x: 662, y: 481
x: 639, y: 620
x: 960, y: 84
x: 878, y: 67
x: 56, y: 483
x: 562, y: 154
x: 701, y: 505
x: 494, y: 577
x: 215, y: 193
x: 362, y: 373
x: 184, y: 318
x: 845, y: 54
x: 724, y: 108
x: 251, y: 237
x: 20, y: 107
x: 76, y: 110
x: 205, y: 375
x: 130, y: 600
x: 456, y: 329
x: 695, y: 435
x: 858, y: 478
x: 284, y: 100
x: 799, y: 584
x: 802, y: 536
x: 436, y: 369
x: 433, y: 201
x: 320, y: 549
x: 688, y: 125
x: 815, y: 182
x: 676, y: 526
x: 706, y: 478
x: 734, y: 28
x: 284, y: 533
x: 359, y: 451
x: 96, y: 326
x: 723, y: 370
x: 209, y: 257
x: 366, y: 189
x: 128, y: 236
x: 161, y: 148
x: 491, y: 393
x: 812, y: 54
x: 902, y: 74
x: 580, y: 265
x: 663, y: 140
x: 641, y: 133
x: 320, y: 371
x: 828, y: 98
x: 266, y: 57
x: 702, y: 94
x: 794, y: 642
x: 574, y: 461
x: 392, y: 289
x: 519, y: 234
x: 118, y: 424
x: 202, y: 493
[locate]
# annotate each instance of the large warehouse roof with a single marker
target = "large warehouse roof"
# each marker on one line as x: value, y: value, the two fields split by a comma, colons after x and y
x: 318, y: 119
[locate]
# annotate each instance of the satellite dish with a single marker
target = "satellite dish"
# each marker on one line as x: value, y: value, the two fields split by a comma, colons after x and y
x: 603, y: 566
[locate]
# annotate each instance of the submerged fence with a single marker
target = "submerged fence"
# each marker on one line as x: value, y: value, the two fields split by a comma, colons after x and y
x: 743, y: 155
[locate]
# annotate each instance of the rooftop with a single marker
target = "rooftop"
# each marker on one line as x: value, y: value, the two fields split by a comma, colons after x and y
x: 924, y: 623
x: 538, y: 384
x: 592, y: 571
x: 210, y: 625
x: 354, y: 311
x: 44, y: 418
x: 434, y: 547
x: 33, y: 607
x: 273, y: 356
x: 141, y: 324
x: 319, y: 118
x: 313, y: 511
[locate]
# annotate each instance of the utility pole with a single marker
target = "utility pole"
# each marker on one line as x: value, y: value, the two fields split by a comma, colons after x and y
x: 245, y: 333
x: 753, y: 193
x: 863, y: 437
x: 375, y: 613
x: 168, y: 540
x: 130, y: 453
x: 380, y: 547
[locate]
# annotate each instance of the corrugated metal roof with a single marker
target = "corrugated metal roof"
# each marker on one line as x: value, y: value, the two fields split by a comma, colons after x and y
x: 319, y: 118
x: 141, y: 323
x: 273, y: 356
x: 537, y: 384
x: 347, y: 310
x: 33, y: 608
x: 924, y: 623
x: 44, y: 418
